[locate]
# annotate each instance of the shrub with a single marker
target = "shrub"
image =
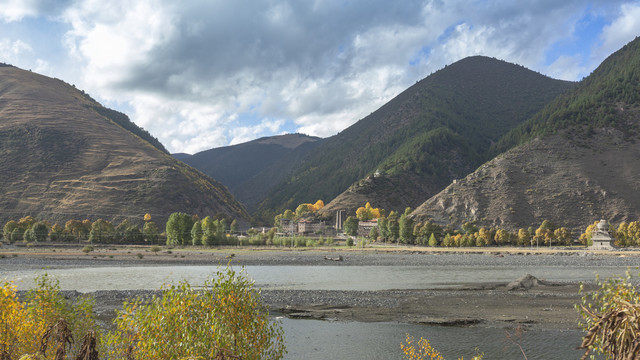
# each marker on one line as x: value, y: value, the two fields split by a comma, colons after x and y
x: 87, y: 249
x: 611, y: 318
x: 422, y: 350
x: 226, y: 319
x: 349, y: 242
x: 155, y: 249
x: 28, y: 324
x: 310, y: 243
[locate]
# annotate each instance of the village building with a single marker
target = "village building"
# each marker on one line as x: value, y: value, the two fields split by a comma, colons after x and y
x: 302, y: 227
x: 364, y: 227
x: 600, y: 237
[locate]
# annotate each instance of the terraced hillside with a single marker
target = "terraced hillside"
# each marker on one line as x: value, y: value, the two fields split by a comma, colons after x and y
x: 63, y: 157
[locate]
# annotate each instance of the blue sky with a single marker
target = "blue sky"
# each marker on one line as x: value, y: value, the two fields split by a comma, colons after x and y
x: 199, y: 74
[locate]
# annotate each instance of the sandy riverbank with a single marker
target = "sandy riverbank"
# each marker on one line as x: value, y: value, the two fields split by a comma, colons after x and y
x: 481, y: 303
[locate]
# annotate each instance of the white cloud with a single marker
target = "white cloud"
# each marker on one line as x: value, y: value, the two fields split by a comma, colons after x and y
x: 248, y: 133
x: 621, y: 30
x: 192, y: 71
x: 15, y: 10
x: 12, y: 50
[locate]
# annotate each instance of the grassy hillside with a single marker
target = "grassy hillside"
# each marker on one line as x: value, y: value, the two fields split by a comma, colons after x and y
x: 577, y: 160
x: 62, y: 158
x: 438, y: 129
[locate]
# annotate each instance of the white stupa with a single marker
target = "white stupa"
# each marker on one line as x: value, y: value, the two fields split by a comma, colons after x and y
x: 601, y: 238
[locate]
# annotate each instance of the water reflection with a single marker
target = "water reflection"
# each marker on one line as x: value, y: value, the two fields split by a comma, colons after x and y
x: 315, y: 340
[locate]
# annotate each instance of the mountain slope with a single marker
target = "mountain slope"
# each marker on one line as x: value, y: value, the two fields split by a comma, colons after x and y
x: 439, y: 129
x: 578, y: 161
x: 237, y: 165
x: 63, y: 158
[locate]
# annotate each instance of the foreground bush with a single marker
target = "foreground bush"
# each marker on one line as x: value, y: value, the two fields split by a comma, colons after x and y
x: 224, y: 320
x: 32, y: 327
x: 611, y: 318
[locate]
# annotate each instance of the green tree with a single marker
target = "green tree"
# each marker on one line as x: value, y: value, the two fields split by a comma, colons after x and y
x: 150, y: 232
x: 121, y: 229
x: 209, y: 232
x: 373, y: 233
x: 234, y: 228
x: 133, y: 234
x: 179, y: 229
x: 56, y: 233
x: 102, y: 231
x: 8, y: 229
x: 470, y: 227
x: 433, y: 241
x: 196, y: 233
x: 224, y: 320
x: 394, y: 229
x: 406, y: 227
x: 383, y: 228
x: 351, y: 226
x: 38, y: 231
x: 302, y: 210
x: 288, y: 214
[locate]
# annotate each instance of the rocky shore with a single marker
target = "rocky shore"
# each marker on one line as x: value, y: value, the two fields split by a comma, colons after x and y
x: 528, y: 302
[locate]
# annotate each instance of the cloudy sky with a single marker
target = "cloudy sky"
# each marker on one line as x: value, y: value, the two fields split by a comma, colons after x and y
x: 199, y: 74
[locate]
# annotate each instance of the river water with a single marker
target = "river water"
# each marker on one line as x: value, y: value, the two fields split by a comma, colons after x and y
x: 307, y: 277
x: 311, y: 339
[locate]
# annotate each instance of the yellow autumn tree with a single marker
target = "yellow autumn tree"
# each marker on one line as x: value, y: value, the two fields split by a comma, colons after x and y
x: 224, y: 320
x: 147, y: 217
x: 23, y: 323
x: 367, y: 212
x: 317, y: 206
x: 585, y: 237
x: 19, y: 328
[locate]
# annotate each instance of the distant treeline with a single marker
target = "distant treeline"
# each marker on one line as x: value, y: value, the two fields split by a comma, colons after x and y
x: 30, y: 229
x: 405, y: 230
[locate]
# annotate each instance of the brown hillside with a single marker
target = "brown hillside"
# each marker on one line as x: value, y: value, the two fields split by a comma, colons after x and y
x: 61, y: 159
x: 564, y: 179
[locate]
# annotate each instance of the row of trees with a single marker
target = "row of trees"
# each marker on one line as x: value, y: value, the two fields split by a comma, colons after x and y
x: 184, y: 229
x: 99, y: 231
x: 405, y: 230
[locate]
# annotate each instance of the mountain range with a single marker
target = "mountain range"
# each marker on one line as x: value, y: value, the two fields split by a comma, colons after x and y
x: 480, y: 140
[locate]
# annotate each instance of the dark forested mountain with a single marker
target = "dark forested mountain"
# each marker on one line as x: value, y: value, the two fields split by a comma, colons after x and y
x: 577, y: 161
x: 64, y: 156
x: 439, y: 129
x: 250, y: 169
